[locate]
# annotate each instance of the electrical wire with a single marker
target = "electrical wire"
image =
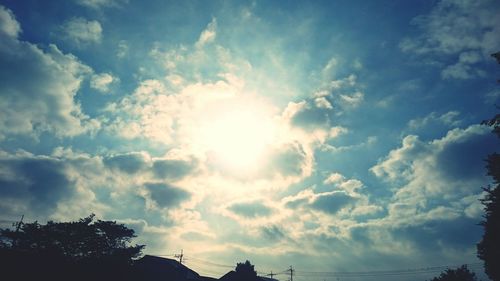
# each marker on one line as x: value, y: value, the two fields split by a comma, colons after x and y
x: 197, y: 262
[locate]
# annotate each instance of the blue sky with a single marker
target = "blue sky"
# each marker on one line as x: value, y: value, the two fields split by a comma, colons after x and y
x: 328, y: 135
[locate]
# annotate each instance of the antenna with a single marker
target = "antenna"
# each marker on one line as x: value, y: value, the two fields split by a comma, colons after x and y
x: 180, y: 256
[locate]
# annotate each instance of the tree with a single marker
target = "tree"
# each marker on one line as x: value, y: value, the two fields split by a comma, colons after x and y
x: 488, y: 249
x: 86, y: 249
x: 245, y: 271
x: 76, y: 240
x: 460, y: 274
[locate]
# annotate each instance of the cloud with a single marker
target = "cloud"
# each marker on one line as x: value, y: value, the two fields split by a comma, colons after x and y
x: 329, y: 69
x: 98, y: 4
x: 465, y: 31
x: 273, y: 233
x: 173, y: 169
x: 250, y: 209
x: 316, y: 113
x: 463, y: 69
x: 82, y: 32
x: 66, y: 185
x: 8, y: 23
x: 331, y: 202
x: 290, y: 160
x: 35, y: 183
x: 130, y: 163
x: 352, y: 100
x: 165, y: 195
x: 132, y: 119
x: 437, y: 178
x: 122, y: 49
x: 309, y: 116
x: 449, y: 119
x: 338, y: 194
x: 40, y: 95
x: 102, y: 82
x: 208, y: 35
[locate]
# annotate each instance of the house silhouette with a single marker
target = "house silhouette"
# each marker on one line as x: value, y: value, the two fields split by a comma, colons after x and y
x: 153, y: 268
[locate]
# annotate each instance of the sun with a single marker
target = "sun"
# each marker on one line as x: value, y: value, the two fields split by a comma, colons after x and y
x: 238, y: 135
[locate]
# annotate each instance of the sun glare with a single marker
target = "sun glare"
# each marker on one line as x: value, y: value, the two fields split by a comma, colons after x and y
x: 237, y: 137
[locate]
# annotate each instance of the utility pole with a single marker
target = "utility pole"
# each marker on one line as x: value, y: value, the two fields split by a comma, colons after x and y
x: 18, y: 224
x: 291, y: 272
x: 271, y: 274
x: 180, y: 256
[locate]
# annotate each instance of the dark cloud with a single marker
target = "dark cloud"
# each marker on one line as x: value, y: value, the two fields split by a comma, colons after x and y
x: 435, y: 235
x: 311, y: 117
x: 166, y: 195
x: 464, y: 159
x: 172, y: 169
x: 272, y: 233
x: 331, y: 202
x: 129, y: 163
x: 294, y: 203
x: 360, y: 234
x: 250, y: 209
x: 289, y: 160
x: 38, y: 183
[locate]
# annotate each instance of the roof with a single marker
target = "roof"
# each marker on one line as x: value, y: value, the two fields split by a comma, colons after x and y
x: 157, y: 268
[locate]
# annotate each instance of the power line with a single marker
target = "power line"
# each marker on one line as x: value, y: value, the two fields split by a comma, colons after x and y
x: 377, y: 273
x: 292, y: 272
x: 211, y: 263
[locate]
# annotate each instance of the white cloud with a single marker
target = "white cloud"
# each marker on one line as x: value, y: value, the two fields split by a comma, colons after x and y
x: 334, y: 178
x: 463, y: 69
x: 122, y: 49
x: 98, y: 4
x: 329, y: 70
x: 208, y: 35
x: 343, y: 199
x: 492, y: 96
x: 102, y: 82
x: 449, y: 119
x: 66, y: 184
x: 8, y: 23
x: 82, y: 32
x: 465, y: 30
x: 322, y: 102
x: 40, y: 95
x: 443, y: 173
x: 352, y: 100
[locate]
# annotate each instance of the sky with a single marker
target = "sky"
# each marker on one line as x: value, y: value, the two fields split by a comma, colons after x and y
x: 333, y: 136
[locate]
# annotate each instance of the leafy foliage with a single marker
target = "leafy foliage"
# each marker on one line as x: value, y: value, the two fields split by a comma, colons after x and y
x: 488, y: 249
x: 76, y: 240
x: 80, y: 250
x: 245, y: 271
x: 460, y: 274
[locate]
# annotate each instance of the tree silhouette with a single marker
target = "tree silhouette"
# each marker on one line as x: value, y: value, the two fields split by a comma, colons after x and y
x: 488, y: 249
x: 78, y: 250
x: 460, y: 274
x: 245, y: 271
x: 75, y: 240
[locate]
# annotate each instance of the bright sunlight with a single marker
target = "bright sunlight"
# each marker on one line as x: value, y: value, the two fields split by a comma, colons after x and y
x: 237, y: 136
